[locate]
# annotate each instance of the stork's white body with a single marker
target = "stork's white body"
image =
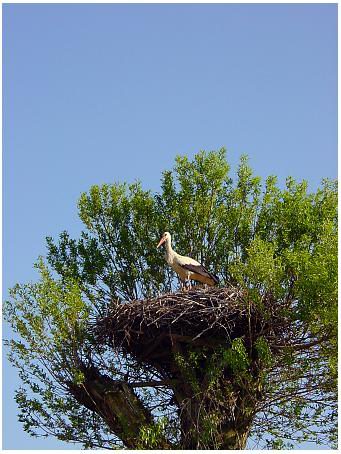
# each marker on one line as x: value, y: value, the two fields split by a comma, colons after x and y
x: 187, y: 268
x: 177, y: 261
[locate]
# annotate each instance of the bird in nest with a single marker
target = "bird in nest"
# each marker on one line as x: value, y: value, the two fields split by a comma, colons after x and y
x: 186, y: 268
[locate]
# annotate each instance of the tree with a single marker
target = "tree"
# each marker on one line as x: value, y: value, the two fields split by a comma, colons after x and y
x: 277, y: 248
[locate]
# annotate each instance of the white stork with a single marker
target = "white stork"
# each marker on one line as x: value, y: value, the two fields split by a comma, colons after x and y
x: 185, y: 267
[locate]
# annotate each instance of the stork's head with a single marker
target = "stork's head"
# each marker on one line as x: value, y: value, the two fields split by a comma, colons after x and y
x: 165, y: 237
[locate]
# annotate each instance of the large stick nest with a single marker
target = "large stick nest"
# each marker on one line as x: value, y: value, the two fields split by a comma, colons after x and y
x: 152, y: 329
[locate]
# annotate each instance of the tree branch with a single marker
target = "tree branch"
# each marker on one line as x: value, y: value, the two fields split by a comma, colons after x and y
x: 117, y: 403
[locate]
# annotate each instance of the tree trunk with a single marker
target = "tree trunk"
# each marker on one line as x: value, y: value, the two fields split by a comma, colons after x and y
x: 117, y: 404
x: 200, y: 426
x: 121, y: 409
x: 199, y: 431
x: 235, y: 437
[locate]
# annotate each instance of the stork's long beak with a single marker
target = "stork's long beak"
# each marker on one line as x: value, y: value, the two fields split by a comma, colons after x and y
x: 161, y: 242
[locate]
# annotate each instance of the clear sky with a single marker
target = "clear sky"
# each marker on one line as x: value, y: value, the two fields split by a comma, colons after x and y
x: 103, y: 92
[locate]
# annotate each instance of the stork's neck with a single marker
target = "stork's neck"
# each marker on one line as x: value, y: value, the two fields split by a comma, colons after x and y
x: 169, y: 253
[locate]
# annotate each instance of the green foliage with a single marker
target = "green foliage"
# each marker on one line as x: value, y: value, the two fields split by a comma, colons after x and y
x: 188, y: 367
x: 49, y: 320
x: 263, y: 351
x: 150, y: 435
x: 235, y: 358
x: 210, y: 429
x: 259, y: 238
x: 269, y: 240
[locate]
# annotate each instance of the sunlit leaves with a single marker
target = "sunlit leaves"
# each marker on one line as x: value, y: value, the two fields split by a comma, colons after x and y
x: 263, y: 351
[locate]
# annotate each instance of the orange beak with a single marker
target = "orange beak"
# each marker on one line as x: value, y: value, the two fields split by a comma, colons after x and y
x: 161, y: 242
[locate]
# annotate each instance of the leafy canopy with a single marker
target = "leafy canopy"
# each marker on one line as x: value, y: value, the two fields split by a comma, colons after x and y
x: 262, y: 237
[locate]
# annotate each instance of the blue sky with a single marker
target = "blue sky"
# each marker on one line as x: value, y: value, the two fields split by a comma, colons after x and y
x: 103, y: 93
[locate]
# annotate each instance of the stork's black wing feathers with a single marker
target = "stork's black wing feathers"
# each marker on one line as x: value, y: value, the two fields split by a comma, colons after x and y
x: 199, y: 269
x: 196, y: 268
